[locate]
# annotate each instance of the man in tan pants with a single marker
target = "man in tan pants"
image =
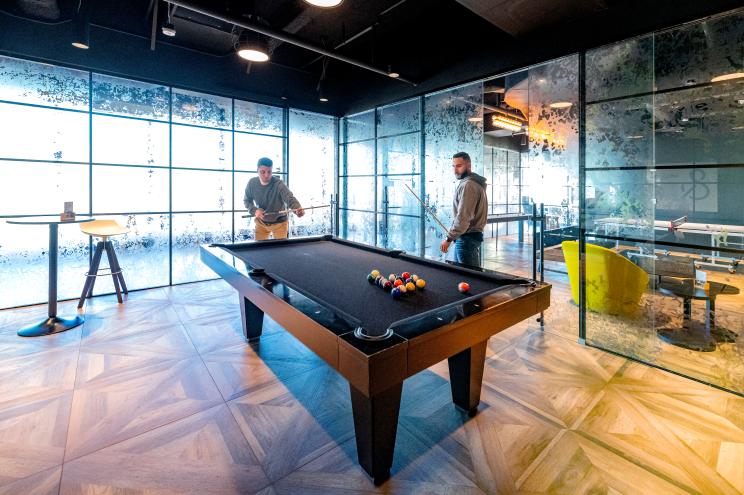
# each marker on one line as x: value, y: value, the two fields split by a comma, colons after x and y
x: 265, y: 196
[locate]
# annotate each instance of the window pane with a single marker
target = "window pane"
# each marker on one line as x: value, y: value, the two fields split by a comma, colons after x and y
x: 129, y: 189
x: 129, y: 142
x: 196, y: 190
x: 398, y: 155
x: 245, y: 230
x: 357, y: 226
x: 201, y: 109
x: 142, y: 253
x: 190, y: 231
x: 43, y: 134
x: 255, y: 117
x: 30, y: 188
x: 398, y: 118
x: 360, y: 126
x: 249, y: 148
x: 360, y: 159
x: 396, y: 232
x: 194, y: 147
x: 357, y: 193
x: 393, y: 196
x: 132, y: 98
x: 43, y: 84
x: 620, y: 69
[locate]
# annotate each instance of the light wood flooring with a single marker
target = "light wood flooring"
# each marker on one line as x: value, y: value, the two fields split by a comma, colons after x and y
x: 162, y: 395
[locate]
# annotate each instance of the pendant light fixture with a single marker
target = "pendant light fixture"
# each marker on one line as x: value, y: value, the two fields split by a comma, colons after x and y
x: 252, y: 47
x: 326, y: 4
x: 81, y: 23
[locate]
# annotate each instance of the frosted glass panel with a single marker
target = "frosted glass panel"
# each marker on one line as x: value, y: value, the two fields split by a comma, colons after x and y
x: 620, y: 133
x: 119, y: 96
x: 23, y: 257
x: 195, y: 147
x: 397, y: 232
x: 357, y: 226
x: 43, y: 84
x: 129, y: 189
x: 43, y: 134
x: 393, y: 196
x: 196, y: 190
x: 31, y: 188
x: 201, y: 109
x: 620, y: 202
x: 449, y: 130
x: 142, y: 253
x: 359, y: 159
x: 620, y: 69
x: 358, y: 193
x: 399, y: 118
x: 360, y: 126
x: 245, y: 230
x: 311, y: 164
x: 255, y: 117
x: 190, y: 231
x: 129, y: 141
x: 399, y: 154
x: 250, y: 147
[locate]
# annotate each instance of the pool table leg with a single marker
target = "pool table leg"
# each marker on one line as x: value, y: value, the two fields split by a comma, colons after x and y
x: 251, y: 317
x: 466, y: 377
x: 376, y: 424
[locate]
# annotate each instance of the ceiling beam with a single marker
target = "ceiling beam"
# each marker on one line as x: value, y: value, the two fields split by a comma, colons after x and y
x: 279, y: 35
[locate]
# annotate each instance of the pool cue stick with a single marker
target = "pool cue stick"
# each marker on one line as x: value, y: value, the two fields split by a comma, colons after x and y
x: 428, y: 210
x: 286, y: 211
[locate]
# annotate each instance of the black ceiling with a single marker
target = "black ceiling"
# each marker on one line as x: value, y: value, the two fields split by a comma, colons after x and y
x: 435, y: 43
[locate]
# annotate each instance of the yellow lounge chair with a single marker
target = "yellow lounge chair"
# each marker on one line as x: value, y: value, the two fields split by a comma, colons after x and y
x: 614, y: 284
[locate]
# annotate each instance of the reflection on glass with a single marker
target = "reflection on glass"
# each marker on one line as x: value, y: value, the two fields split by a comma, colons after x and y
x: 118, y: 96
x: 23, y: 193
x: 195, y: 147
x: 129, y: 189
x: 24, y: 81
x: 129, y: 141
x: 190, y: 231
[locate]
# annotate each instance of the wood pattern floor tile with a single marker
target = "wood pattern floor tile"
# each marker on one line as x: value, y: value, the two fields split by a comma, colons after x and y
x: 43, y: 483
x: 555, y: 378
x: 245, y: 367
x: 213, y: 333
x: 685, y: 431
x: 291, y: 422
x: 37, y: 376
x: 120, y: 396
x: 32, y: 436
x: 578, y: 466
x: 201, y: 454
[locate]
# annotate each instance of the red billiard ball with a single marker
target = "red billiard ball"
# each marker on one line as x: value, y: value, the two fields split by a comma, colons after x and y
x: 463, y: 287
x: 405, y: 275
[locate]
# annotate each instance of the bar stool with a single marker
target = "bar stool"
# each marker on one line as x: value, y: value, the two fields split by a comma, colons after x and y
x: 103, y: 229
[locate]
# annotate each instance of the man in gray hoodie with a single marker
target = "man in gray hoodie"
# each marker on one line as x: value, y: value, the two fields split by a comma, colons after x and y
x: 265, y: 196
x: 470, y: 207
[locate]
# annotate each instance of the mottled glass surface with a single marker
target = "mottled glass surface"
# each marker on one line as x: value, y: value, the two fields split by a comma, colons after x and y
x: 250, y: 147
x: 357, y: 193
x: 190, y: 231
x: 201, y: 109
x: 357, y: 226
x: 22, y: 193
x: 399, y: 232
x: 358, y: 127
x: 393, y: 197
x: 399, y: 118
x: 195, y: 147
x: 399, y: 154
x: 620, y: 133
x: 142, y: 253
x: 197, y: 190
x: 359, y: 158
x: 129, y: 189
x: 255, y: 117
x: 312, y: 145
x: 43, y: 134
x: 621, y: 69
x: 25, y: 81
x: 620, y: 202
x: 24, y: 264
x: 245, y: 230
x: 130, y: 142
x: 114, y: 95
x: 447, y: 131
x: 241, y: 181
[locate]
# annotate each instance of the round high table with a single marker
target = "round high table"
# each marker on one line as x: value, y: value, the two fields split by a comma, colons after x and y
x: 54, y: 323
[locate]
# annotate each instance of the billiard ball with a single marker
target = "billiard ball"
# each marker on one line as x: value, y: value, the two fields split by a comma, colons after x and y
x: 405, y: 275
x: 414, y: 277
x: 410, y: 287
x: 370, y: 279
x: 388, y: 285
x: 395, y: 293
x: 463, y: 287
x: 375, y: 273
x: 420, y: 283
x: 398, y: 282
x: 392, y: 277
x: 402, y: 289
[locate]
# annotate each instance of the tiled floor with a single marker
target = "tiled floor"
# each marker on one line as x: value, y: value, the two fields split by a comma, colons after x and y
x: 161, y: 395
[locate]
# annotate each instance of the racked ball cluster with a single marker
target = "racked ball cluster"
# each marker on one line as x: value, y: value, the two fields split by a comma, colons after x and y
x: 397, y: 285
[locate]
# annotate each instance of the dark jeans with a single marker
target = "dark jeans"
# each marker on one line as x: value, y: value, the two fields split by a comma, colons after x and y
x: 467, y: 249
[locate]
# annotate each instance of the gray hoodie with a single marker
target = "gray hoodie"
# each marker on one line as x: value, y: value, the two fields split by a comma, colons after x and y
x: 272, y: 197
x: 470, y: 206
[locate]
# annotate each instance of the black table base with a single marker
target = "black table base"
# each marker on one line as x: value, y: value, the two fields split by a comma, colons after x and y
x: 53, y: 324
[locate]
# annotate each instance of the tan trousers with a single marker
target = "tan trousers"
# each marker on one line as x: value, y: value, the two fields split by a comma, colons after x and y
x: 263, y: 230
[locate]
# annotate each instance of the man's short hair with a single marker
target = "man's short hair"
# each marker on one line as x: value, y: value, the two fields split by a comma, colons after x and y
x: 462, y: 155
x: 265, y: 162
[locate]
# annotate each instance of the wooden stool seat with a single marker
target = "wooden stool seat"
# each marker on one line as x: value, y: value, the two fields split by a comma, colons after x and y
x: 103, y: 229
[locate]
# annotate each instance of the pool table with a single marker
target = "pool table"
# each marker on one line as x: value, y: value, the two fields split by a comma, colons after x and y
x: 317, y: 289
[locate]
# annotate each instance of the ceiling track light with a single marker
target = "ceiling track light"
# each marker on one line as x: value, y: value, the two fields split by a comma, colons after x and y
x: 325, y: 4
x: 81, y: 23
x: 169, y: 29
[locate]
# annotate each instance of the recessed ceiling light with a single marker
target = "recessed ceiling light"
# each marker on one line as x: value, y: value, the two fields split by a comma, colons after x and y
x: 728, y: 77
x: 325, y: 3
x: 253, y: 55
x: 323, y: 99
x: 80, y: 44
x: 561, y: 104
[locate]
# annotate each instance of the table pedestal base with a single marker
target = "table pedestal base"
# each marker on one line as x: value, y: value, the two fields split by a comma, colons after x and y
x: 51, y: 325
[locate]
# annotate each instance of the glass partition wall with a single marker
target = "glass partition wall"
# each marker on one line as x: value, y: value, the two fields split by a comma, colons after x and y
x: 664, y: 181
x: 170, y: 164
